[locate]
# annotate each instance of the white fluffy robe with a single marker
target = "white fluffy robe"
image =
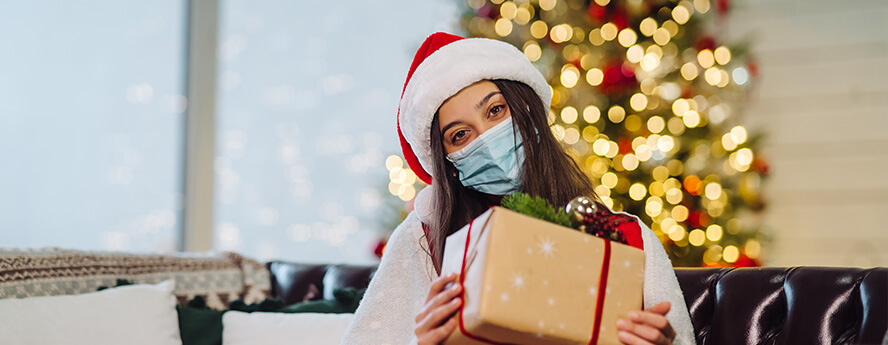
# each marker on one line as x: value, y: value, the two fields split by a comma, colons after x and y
x: 386, y: 315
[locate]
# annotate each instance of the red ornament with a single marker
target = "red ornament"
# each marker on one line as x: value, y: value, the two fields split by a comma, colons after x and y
x: 753, y: 69
x: 698, y: 219
x: 625, y: 146
x: 745, y: 261
x: 379, y: 248
x: 706, y: 42
x: 760, y: 165
x: 596, y: 12
x: 619, y: 78
x: 723, y: 6
x: 487, y: 11
x: 687, y: 91
x: 621, y: 19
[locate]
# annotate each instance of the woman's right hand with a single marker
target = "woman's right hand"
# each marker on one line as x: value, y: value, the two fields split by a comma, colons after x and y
x: 435, y: 320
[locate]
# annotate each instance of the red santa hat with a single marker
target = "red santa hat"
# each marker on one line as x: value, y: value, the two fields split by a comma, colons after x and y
x: 443, y: 66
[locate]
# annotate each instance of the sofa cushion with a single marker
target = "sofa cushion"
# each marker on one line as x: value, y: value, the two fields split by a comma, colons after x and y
x: 241, y: 328
x: 134, y: 314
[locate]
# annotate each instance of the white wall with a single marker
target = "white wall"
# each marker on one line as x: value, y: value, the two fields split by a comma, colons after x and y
x: 822, y: 99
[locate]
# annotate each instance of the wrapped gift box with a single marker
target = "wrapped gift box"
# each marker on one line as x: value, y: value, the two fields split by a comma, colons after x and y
x: 528, y: 281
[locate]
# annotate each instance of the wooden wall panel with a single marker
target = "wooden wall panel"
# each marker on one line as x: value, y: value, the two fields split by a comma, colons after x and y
x: 822, y: 101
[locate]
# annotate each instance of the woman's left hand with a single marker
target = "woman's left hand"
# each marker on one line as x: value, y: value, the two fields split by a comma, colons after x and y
x: 647, y: 327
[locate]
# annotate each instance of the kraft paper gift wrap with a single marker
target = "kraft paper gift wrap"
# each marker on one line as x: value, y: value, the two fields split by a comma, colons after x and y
x: 528, y: 281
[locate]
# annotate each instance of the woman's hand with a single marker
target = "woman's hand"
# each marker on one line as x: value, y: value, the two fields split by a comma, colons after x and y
x: 435, y: 320
x: 647, y: 327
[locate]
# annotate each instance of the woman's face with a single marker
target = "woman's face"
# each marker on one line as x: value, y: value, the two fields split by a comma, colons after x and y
x: 471, y: 112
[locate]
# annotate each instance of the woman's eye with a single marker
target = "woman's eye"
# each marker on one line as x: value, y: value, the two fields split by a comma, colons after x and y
x: 458, y: 135
x: 497, y: 110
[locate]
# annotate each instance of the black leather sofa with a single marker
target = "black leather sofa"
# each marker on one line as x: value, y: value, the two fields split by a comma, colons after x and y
x: 796, y: 305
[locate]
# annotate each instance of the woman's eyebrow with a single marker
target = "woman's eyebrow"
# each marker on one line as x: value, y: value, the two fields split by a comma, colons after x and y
x: 486, y: 98
x: 454, y: 123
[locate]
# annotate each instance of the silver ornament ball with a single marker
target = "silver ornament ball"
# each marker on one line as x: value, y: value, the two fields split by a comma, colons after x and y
x: 581, y: 207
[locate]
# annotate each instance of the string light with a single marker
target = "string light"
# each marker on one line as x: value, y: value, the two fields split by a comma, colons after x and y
x: 691, y: 119
x: 571, y: 135
x: 713, y: 76
x: 722, y: 55
x: 680, y: 213
x: 532, y: 51
x: 569, y: 76
x: 523, y: 15
x: 738, y: 134
x: 616, y: 114
x: 656, y: 124
x: 731, y: 254
x: 569, y: 115
x: 591, y: 114
x: 701, y: 6
x: 627, y: 37
x: 741, y: 76
x: 705, y: 58
x: 680, y: 14
x: 539, y: 29
x: 638, y: 102
x: 714, y: 232
x: 595, y: 37
x: 561, y: 33
x: 635, y: 53
x: 697, y: 237
x: 647, y: 26
x: 689, y: 71
x: 594, y: 77
x: 609, y: 31
x: 661, y: 36
x: 630, y: 162
x: 503, y: 27
x: 637, y: 191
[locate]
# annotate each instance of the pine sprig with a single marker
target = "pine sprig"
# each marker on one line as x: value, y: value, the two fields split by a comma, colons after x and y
x: 536, y: 207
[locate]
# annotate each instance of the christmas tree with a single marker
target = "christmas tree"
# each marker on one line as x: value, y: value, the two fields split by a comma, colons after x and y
x: 647, y: 101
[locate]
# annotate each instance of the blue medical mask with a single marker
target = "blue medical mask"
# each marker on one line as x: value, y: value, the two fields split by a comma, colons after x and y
x: 492, y: 163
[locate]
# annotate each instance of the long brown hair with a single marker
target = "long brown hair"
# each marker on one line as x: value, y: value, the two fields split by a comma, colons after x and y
x: 548, y: 171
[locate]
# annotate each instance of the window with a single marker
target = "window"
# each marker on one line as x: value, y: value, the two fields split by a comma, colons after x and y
x: 307, y: 101
x: 92, y: 123
x: 91, y: 114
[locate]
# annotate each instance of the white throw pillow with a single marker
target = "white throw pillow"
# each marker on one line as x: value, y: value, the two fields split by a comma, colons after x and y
x: 134, y: 315
x: 239, y: 328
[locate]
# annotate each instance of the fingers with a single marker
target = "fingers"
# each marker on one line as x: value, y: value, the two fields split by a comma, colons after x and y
x: 435, y: 318
x: 646, y: 327
x: 437, y: 335
x: 655, y: 317
x: 437, y: 296
x: 661, y: 308
x: 439, y: 284
x: 633, y: 339
x: 439, y: 299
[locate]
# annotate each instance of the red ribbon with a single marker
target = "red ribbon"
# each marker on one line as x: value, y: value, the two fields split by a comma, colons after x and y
x: 602, y: 288
x: 599, y: 304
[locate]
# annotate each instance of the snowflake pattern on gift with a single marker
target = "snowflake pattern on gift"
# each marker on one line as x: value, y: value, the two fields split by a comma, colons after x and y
x: 547, y: 247
x: 519, y: 281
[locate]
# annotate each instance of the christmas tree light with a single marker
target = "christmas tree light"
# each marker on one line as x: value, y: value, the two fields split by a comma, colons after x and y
x: 648, y: 104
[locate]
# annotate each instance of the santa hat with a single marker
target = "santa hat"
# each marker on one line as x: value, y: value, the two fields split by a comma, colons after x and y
x: 443, y: 66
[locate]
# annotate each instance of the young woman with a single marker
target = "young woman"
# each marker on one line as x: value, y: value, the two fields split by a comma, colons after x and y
x: 472, y: 123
